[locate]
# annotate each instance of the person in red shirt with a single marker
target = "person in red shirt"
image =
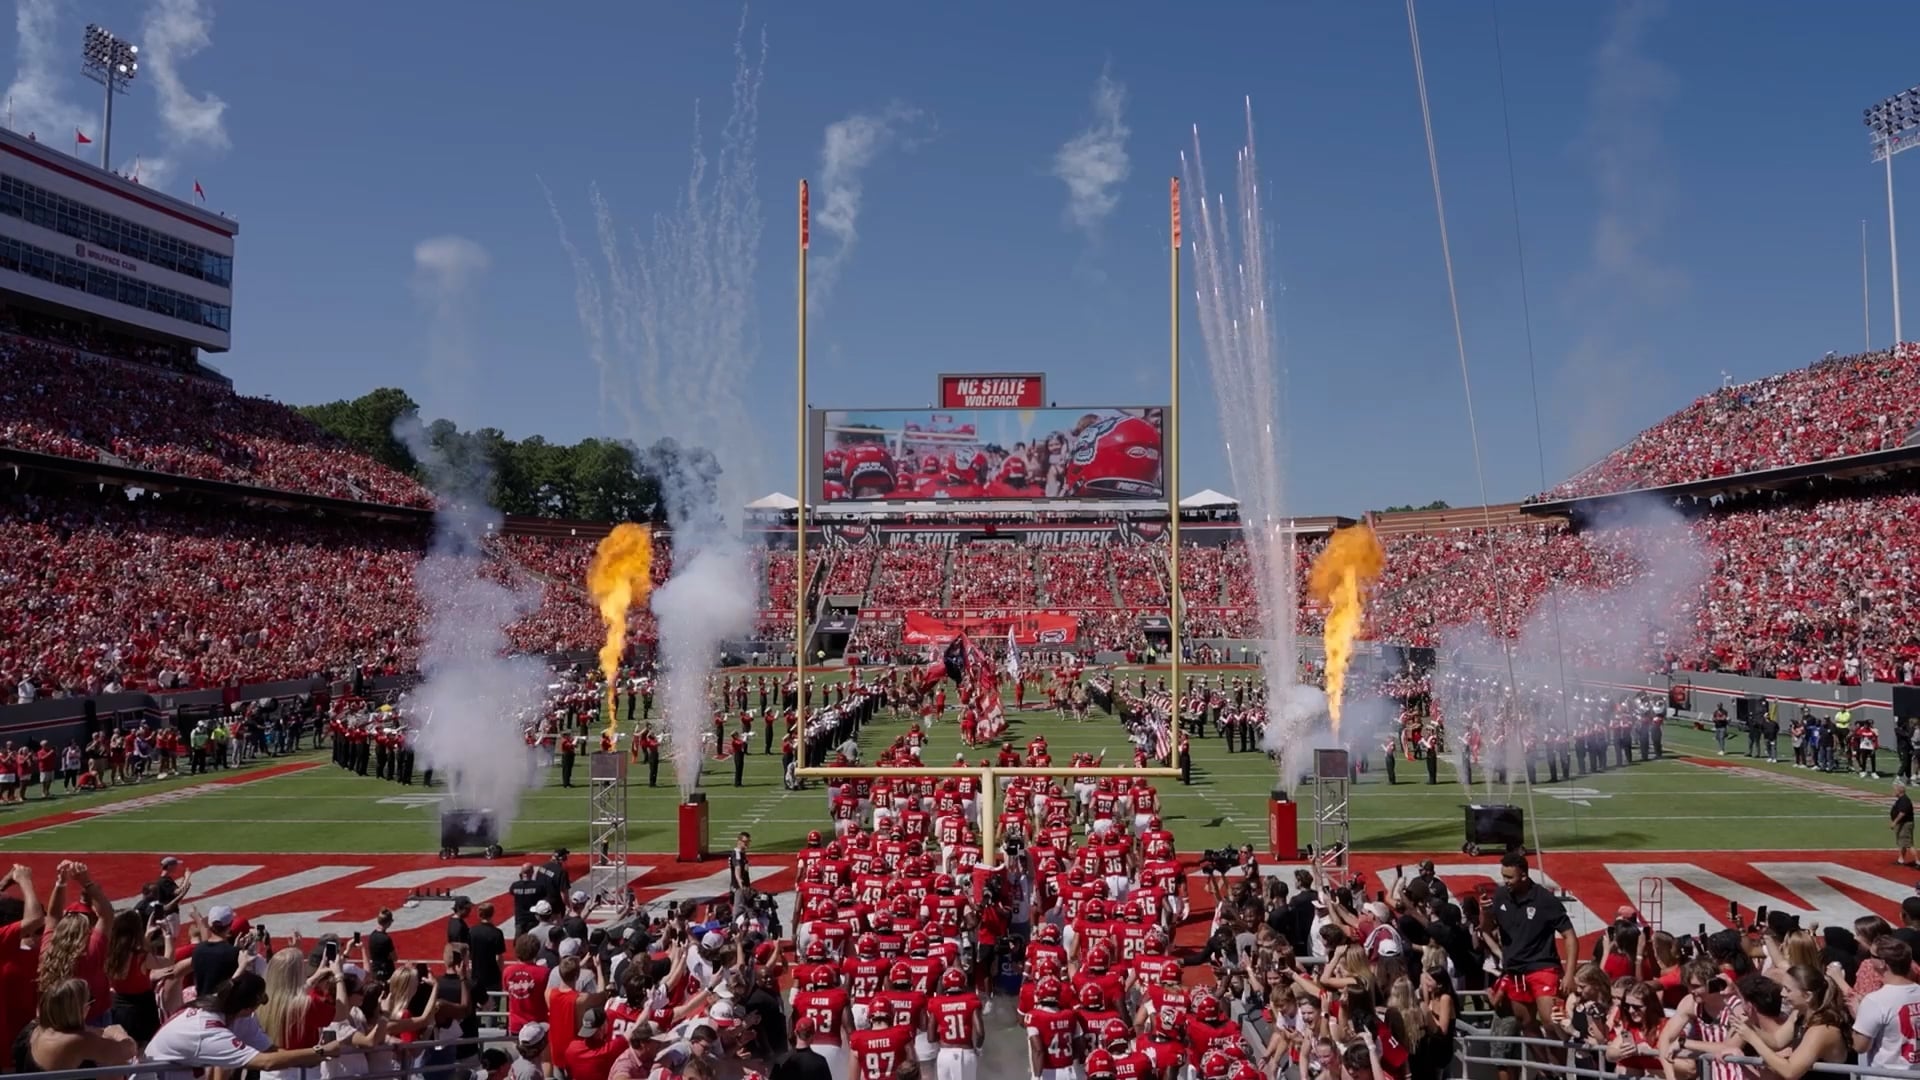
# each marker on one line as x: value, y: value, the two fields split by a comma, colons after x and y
x: 1051, y: 1033
x: 877, y: 1051
x: 21, y: 919
x: 525, y: 983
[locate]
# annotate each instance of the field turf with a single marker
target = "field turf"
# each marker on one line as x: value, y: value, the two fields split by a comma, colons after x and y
x: 1691, y: 800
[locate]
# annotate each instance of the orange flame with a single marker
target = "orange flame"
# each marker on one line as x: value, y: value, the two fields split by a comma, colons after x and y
x: 1340, y: 577
x: 621, y: 572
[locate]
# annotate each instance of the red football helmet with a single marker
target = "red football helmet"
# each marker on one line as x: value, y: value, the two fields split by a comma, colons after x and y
x: 1099, y: 1063
x: 1013, y: 471
x: 1050, y: 933
x: 1208, y: 1009
x: 821, y: 977
x: 1116, y: 455
x: 918, y: 944
x: 1116, y: 1033
x: 1245, y: 1070
x: 1096, y: 910
x: 867, y: 946
x: 835, y: 464
x: 869, y: 471
x: 879, y: 1013
x: 930, y: 465
x: 816, y: 951
x: 1048, y: 991
x: 1215, y: 1065
x: 900, y: 978
x: 813, y: 838
x: 953, y: 981
x: 1091, y: 997
x: 1098, y: 961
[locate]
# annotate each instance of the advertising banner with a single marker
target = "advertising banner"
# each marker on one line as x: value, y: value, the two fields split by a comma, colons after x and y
x: 937, y: 455
x: 993, y: 391
x: 1029, y: 628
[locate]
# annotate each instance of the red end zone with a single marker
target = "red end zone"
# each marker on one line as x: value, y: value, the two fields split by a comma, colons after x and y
x: 315, y: 894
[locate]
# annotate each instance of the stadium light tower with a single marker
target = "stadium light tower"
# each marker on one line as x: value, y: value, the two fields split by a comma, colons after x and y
x: 1895, y: 124
x: 112, y: 62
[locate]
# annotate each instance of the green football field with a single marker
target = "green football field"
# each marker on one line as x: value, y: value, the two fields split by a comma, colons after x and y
x: 1691, y: 800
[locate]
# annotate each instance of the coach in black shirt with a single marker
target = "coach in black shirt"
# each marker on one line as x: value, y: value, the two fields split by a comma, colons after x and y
x: 526, y: 892
x: 1537, y: 942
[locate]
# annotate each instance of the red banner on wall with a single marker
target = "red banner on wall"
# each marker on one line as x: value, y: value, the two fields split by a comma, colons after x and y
x: 1029, y: 628
x: 993, y: 391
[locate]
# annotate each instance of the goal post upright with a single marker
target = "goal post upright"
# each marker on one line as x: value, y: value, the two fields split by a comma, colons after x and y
x: 988, y: 776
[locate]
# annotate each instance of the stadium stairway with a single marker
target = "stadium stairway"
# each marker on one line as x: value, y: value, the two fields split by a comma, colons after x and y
x: 1113, y: 580
x: 946, y: 578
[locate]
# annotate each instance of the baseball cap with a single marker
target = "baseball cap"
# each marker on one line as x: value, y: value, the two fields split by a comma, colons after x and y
x: 570, y: 947
x: 578, y: 897
x: 78, y: 907
x: 713, y: 940
x: 532, y: 1034
x: 590, y: 1023
x: 169, y: 863
x: 1389, y: 946
x: 804, y: 1028
x: 1379, y: 911
x: 221, y: 915
x: 543, y: 908
x: 1625, y: 911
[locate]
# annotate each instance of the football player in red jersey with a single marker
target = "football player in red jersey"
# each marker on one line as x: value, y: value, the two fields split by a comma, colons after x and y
x: 1051, y: 1031
x: 1094, y: 1012
x: 1209, y: 1029
x: 953, y: 1020
x: 1098, y: 973
x: 1046, y: 946
x: 1129, y: 1063
x: 825, y: 1005
x: 877, y: 1051
x: 866, y: 974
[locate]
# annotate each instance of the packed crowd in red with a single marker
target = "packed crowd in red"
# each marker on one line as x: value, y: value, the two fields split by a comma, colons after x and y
x: 57, y: 400
x: 995, y: 575
x: 1839, y: 406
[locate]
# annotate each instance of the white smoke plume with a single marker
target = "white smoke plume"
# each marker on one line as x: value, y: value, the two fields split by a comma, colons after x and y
x: 173, y: 32
x: 1094, y: 163
x: 474, y: 698
x: 669, y: 321
x: 852, y: 145
x: 1582, y: 625
x: 39, y: 100
x: 445, y: 271
x: 1605, y: 379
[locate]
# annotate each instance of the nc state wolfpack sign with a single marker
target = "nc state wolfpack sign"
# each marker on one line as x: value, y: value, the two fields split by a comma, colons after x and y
x: 993, y: 391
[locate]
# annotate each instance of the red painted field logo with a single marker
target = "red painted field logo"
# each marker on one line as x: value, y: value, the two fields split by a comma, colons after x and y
x: 316, y: 894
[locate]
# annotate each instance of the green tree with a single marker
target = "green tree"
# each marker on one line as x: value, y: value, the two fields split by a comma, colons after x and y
x: 366, y: 423
x: 1437, y: 504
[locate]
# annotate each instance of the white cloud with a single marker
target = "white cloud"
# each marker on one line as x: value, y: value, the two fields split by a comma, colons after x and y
x: 39, y: 96
x: 445, y: 266
x: 851, y: 146
x: 172, y: 33
x: 1093, y: 164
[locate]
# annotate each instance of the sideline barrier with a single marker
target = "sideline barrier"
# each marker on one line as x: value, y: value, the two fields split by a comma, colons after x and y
x: 1485, y: 1066
x: 143, y: 1069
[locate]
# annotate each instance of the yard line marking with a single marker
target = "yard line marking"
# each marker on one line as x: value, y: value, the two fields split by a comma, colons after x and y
x: 157, y: 798
x: 1784, y: 779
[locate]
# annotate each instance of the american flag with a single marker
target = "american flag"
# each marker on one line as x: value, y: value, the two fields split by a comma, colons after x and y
x: 1162, y: 743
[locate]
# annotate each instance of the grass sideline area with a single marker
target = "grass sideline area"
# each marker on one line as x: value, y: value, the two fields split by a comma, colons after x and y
x: 1690, y: 800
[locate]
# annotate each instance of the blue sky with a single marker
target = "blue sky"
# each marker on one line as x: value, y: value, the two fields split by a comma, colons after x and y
x: 1691, y: 177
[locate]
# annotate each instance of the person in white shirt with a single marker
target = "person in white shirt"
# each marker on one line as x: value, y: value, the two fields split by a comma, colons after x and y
x: 218, y: 1032
x: 1886, y: 1024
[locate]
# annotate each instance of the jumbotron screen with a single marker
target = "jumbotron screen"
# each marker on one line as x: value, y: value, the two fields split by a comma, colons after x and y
x: 906, y: 455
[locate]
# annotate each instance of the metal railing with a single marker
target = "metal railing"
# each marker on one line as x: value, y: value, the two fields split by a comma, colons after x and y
x: 1551, y: 1059
x: 410, y: 1061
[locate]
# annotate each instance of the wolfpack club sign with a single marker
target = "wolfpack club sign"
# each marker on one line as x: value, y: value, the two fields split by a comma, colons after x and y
x: 312, y: 894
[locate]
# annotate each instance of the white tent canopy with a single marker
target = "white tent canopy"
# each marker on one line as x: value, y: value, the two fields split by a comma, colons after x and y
x: 774, y: 501
x: 1208, y: 499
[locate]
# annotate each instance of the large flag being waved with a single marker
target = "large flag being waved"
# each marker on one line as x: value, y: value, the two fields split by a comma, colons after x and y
x: 1013, y: 656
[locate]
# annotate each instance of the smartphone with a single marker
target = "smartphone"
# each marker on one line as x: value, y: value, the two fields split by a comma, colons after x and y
x: 1760, y: 916
x: 330, y: 952
x: 1733, y: 913
x: 356, y: 939
x: 420, y: 970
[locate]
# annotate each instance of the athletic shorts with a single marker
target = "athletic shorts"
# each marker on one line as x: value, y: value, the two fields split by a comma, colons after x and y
x: 1526, y: 988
